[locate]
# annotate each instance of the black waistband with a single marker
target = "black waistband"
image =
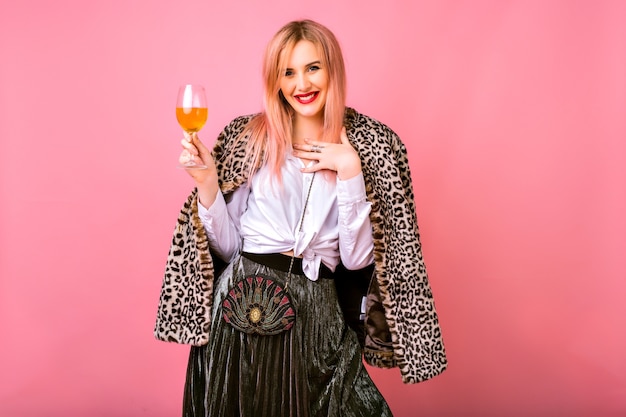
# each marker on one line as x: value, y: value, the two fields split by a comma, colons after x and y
x: 281, y: 262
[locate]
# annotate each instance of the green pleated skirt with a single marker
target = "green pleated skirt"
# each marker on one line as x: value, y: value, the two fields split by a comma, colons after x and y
x: 313, y: 369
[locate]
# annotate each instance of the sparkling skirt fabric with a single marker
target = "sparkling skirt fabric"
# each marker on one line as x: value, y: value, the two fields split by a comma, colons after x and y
x: 314, y: 369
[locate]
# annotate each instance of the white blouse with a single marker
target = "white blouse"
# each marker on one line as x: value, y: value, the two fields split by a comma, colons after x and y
x: 264, y: 217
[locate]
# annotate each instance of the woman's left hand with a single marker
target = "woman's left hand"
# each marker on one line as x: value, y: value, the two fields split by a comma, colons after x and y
x: 339, y: 157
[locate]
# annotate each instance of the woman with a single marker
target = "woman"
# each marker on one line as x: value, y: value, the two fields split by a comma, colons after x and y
x: 291, y: 197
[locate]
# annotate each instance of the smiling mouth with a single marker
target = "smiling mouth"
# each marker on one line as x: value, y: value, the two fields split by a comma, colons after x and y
x: 306, y: 98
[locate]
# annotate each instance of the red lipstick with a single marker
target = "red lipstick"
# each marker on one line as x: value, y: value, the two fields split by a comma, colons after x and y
x: 306, y: 98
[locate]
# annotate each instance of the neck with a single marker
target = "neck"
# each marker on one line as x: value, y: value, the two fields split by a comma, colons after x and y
x: 305, y: 128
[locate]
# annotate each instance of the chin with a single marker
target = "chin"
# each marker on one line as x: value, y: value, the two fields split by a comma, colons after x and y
x: 311, y: 113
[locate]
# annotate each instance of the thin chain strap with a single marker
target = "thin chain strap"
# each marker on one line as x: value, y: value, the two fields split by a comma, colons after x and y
x: 293, y: 255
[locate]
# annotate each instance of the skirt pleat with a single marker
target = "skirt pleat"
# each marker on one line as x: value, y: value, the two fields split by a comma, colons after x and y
x: 313, y: 369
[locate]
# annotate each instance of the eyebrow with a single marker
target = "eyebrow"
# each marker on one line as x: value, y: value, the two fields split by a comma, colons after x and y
x: 308, y: 65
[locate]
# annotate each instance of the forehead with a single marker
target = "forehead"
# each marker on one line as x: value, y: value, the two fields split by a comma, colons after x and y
x: 302, y: 53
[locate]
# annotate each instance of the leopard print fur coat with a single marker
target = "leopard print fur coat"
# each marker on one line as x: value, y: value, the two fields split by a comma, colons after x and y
x: 410, y: 321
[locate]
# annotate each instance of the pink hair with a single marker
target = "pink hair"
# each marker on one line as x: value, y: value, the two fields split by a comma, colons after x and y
x: 270, y: 131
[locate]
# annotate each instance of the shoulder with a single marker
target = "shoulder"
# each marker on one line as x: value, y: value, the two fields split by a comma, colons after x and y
x: 382, y: 152
x: 238, y: 124
x: 371, y: 136
x: 361, y: 125
x: 229, y: 153
x: 231, y: 135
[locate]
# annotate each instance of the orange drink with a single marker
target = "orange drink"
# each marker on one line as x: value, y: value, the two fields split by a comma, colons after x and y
x: 191, y: 119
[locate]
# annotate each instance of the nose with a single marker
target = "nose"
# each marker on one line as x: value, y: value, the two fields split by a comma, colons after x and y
x: 303, y: 82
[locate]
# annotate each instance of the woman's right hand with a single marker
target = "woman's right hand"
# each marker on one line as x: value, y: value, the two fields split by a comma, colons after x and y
x: 205, y: 179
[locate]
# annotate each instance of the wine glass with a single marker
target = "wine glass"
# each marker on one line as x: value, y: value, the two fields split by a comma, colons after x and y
x: 191, y: 113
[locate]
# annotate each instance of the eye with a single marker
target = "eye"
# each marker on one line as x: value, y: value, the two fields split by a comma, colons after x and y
x: 288, y: 73
x: 314, y: 68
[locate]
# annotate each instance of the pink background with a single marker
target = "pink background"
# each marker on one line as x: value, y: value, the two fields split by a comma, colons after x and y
x: 514, y: 115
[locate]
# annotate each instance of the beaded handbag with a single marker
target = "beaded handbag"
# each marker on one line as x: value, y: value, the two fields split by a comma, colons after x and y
x: 258, y: 305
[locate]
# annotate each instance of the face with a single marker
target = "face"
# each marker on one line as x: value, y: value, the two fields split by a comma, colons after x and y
x: 304, y: 81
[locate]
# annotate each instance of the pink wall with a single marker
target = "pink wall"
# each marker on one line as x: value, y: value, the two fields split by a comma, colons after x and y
x: 514, y: 114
